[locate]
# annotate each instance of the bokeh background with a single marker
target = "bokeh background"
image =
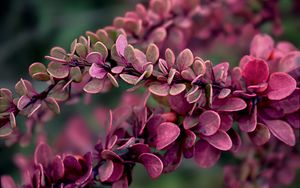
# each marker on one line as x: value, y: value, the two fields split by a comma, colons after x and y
x: 28, y: 30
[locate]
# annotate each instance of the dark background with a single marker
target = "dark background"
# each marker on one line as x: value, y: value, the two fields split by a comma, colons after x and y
x: 28, y: 30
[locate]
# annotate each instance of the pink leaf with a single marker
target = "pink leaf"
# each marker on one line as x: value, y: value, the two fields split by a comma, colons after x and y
x: 281, y: 85
x: 231, y: 104
x: 262, y: 46
x: 94, y: 58
x: 282, y: 130
x: 206, y: 155
x: 260, y: 135
x: 255, y: 72
x: 159, y: 89
x: 106, y: 170
x: 152, y: 163
x: 209, y: 122
x: 7, y: 182
x: 121, y: 44
x: 43, y: 155
x: 167, y: 133
x: 247, y: 122
x: 220, y: 140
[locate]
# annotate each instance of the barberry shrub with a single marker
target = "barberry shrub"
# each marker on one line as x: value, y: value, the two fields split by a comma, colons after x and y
x: 197, y: 110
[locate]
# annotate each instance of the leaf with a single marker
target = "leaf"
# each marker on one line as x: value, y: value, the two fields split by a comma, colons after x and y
x: 152, y: 53
x: 95, y: 58
x: 206, y: 155
x: 152, y: 163
x: 231, y: 104
x: 43, y: 155
x: 97, y: 71
x: 112, y: 80
x: 236, y: 140
x: 121, y: 44
x: 53, y: 105
x: 209, y: 122
x: 282, y: 130
x: 260, y: 135
x: 94, y: 86
x: 38, y: 71
x: 177, y: 89
x: 170, y: 58
x: 224, y: 93
x: 7, y: 182
x: 255, y: 72
x: 158, y: 35
x: 262, y: 46
x: 58, y: 70
x: 76, y: 74
x: 58, y: 52
x: 199, y: 67
x: 130, y: 79
x: 6, y: 129
x: 220, y: 140
x: 23, y: 102
x: 57, y: 170
x: 167, y: 133
x: 281, y: 85
x: 106, y: 170
x: 247, y: 122
x: 159, y: 89
x: 81, y: 49
x: 185, y: 59
x: 190, y: 122
x: 101, y: 48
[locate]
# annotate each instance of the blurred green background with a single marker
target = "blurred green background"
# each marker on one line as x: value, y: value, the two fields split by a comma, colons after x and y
x: 29, y: 28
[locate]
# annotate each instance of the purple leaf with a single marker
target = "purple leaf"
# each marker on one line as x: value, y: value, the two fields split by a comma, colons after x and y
x: 231, y: 104
x: 121, y: 44
x: 281, y: 85
x: 220, y: 140
x: 152, y: 163
x: 206, y: 155
x: 255, y: 72
x: 23, y: 102
x: 282, y: 130
x: 167, y: 133
x: 209, y: 122
x: 260, y: 135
